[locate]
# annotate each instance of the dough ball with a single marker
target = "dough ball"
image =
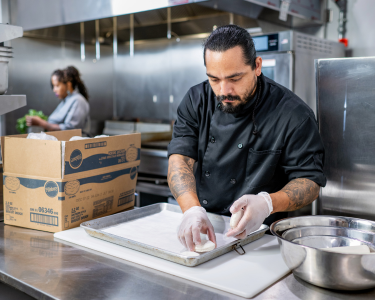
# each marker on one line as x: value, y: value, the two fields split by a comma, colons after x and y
x: 205, y: 246
x: 235, y: 218
x: 190, y: 253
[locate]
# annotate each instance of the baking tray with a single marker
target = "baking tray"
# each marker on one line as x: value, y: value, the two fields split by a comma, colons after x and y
x: 97, y: 227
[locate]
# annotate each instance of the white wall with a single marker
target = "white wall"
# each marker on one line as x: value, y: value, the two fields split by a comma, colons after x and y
x: 360, y: 26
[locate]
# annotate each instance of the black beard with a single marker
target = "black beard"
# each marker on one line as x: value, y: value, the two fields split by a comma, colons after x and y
x: 229, y: 108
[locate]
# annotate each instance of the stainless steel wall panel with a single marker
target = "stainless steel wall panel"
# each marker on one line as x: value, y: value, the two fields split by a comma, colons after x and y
x: 143, y: 81
x: 187, y: 69
x: 161, y: 68
x: 29, y: 74
x: 35, y: 60
x: 346, y: 110
x: 307, y: 48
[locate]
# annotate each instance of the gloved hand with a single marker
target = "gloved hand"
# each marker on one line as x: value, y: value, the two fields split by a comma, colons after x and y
x: 256, y: 209
x: 194, y: 222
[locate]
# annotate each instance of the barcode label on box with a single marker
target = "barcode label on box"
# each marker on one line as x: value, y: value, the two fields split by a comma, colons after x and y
x: 44, y: 219
x: 125, y: 200
x: 102, y: 206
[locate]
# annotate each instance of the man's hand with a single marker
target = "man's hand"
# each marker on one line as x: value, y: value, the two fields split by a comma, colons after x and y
x: 256, y: 209
x: 296, y: 194
x: 182, y: 184
x: 194, y: 222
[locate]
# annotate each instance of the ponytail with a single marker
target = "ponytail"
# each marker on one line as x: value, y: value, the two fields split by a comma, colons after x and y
x: 71, y: 74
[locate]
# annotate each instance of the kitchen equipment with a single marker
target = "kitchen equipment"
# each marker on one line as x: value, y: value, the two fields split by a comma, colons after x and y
x: 277, y: 228
x: 4, y: 61
x: 150, y: 131
x: 298, y: 235
x: 299, y: 232
x: 288, y: 58
x: 245, y: 275
x: 346, y: 107
x: 6, y: 54
x: 153, y: 230
x: 7, y: 102
x: 323, y: 268
x: 5, y: 49
x: 327, y: 241
x: 152, y: 184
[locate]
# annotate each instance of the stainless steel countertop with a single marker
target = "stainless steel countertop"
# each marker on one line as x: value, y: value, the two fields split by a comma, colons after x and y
x: 33, y: 262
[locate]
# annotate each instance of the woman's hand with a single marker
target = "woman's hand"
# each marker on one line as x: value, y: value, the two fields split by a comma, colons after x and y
x: 38, y: 121
x: 34, y: 121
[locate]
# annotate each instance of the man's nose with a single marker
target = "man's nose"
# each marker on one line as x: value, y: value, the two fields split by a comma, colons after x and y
x: 226, y: 88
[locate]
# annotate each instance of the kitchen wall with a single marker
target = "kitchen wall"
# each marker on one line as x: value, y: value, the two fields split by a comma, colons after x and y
x: 34, y: 61
x: 151, y: 84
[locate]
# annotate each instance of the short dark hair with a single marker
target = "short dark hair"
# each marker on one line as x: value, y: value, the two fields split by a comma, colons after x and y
x: 229, y: 36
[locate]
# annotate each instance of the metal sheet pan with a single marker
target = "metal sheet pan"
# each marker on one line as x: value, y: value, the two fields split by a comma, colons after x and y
x: 96, y: 229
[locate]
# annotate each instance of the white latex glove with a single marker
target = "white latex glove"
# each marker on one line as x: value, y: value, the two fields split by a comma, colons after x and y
x: 256, y: 209
x: 194, y: 222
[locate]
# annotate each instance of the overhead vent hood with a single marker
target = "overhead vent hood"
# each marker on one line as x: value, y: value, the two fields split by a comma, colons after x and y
x: 38, y: 14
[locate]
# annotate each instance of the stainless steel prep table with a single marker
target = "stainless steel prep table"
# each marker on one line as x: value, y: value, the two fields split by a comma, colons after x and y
x: 33, y: 262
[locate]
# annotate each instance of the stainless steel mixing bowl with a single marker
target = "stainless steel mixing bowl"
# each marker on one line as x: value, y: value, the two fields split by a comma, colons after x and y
x: 299, y: 232
x: 340, y: 236
x: 322, y: 268
x: 327, y: 241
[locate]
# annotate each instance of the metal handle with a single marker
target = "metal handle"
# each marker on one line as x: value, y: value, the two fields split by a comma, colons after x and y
x: 234, y: 247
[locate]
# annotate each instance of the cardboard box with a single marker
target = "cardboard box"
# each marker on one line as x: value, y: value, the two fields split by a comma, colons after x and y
x: 1, y: 192
x: 56, y: 185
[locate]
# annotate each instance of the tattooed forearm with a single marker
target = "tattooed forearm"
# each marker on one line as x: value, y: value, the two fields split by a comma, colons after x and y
x: 180, y: 175
x: 301, y: 192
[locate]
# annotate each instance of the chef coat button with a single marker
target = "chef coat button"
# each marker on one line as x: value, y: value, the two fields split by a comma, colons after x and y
x: 233, y: 181
x: 205, y: 201
x: 207, y: 174
x: 240, y: 146
x: 212, y: 140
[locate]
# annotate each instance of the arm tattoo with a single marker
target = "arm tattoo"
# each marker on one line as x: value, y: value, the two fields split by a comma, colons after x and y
x: 301, y: 191
x: 180, y: 176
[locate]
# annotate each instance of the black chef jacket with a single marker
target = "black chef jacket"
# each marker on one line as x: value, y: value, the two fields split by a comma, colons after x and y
x: 231, y: 160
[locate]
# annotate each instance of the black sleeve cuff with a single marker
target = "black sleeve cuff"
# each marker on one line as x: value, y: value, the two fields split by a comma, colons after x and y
x: 184, y: 146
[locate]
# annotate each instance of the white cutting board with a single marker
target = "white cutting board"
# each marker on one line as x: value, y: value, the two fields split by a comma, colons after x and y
x: 242, y: 275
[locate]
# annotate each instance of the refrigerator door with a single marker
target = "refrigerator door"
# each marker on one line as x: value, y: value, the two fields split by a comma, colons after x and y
x: 346, y: 116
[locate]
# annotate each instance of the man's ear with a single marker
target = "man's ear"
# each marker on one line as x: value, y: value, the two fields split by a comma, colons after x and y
x: 258, y: 66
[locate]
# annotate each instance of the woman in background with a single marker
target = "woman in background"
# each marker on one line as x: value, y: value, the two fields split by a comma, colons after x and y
x: 73, y: 112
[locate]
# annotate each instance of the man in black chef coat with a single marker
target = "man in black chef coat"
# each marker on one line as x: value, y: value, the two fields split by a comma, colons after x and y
x: 256, y: 144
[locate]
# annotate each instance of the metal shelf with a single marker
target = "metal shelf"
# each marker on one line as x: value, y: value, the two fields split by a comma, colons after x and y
x: 11, y: 102
x: 10, y: 32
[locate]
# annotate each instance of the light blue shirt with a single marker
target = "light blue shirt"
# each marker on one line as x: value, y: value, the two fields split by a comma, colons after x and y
x: 73, y: 112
